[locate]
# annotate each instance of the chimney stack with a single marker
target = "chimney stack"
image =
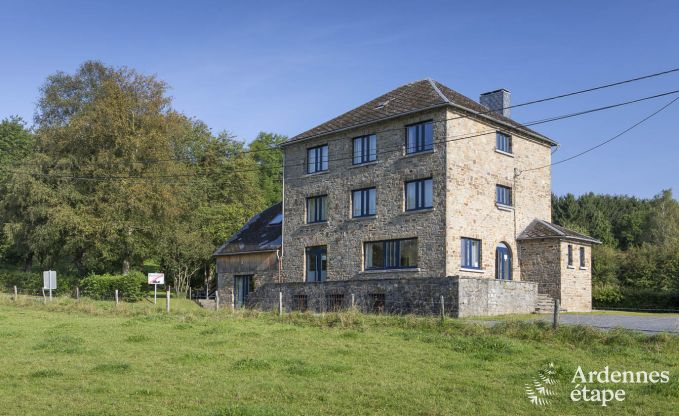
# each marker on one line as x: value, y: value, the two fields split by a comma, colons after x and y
x: 497, y: 101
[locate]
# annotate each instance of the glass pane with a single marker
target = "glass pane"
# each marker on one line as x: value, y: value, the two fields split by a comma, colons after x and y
x: 475, y: 253
x: 374, y: 255
x: 372, y: 206
x: 311, y: 160
x: 428, y: 136
x: 428, y: 193
x: 372, y: 146
x: 357, y: 203
x: 324, y: 265
x: 324, y: 157
x: 408, y: 253
x: 358, y: 148
x: 411, y: 195
x: 390, y: 255
x: 323, y: 208
x: 411, y: 141
x: 311, y: 210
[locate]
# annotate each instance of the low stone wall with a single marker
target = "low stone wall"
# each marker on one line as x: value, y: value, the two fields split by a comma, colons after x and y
x: 484, y: 297
x: 462, y: 296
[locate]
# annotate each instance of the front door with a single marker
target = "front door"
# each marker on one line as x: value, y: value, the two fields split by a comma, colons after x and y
x: 503, y: 262
x: 242, y: 286
x: 316, y: 263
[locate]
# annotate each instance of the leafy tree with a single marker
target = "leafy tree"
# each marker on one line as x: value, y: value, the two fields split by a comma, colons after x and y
x: 266, y: 152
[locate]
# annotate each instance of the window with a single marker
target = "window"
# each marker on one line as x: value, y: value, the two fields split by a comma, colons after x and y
x: 503, y: 142
x: 503, y: 195
x: 365, y: 149
x: 316, y: 209
x: 242, y: 287
x: 363, y: 202
x: 570, y: 255
x: 582, y: 257
x: 333, y: 301
x: 317, y: 159
x: 471, y: 253
x: 391, y: 254
x: 419, y: 137
x: 503, y: 262
x: 300, y: 303
x: 419, y: 194
x: 377, y: 301
x: 316, y: 264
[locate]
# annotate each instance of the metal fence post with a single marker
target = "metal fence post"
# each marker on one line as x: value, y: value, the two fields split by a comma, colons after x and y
x: 353, y: 301
x: 167, y: 301
x: 217, y: 300
x: 44, y: 299
x: 443, y: 308
x: 233, y: 302
x: 557, y: 305
x: 280, y: 304
x: 16, y: 295
x: 190, y: 293
x: 116, y: 294
x: 77, y: 293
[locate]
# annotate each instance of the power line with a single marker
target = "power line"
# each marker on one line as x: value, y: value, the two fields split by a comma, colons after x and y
x: 397, y: 148
x: 542, y: 100
x: 608, y: 140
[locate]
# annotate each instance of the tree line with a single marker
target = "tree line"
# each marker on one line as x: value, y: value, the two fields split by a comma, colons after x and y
x: 110, y: 176
x: 638, y: 262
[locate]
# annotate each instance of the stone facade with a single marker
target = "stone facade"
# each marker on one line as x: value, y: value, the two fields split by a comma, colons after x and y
x: 545, y: 261
x: 462, y: 296
x: 464, y: 172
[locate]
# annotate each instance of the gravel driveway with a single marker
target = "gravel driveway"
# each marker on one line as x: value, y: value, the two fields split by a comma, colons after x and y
x: 649, y: 324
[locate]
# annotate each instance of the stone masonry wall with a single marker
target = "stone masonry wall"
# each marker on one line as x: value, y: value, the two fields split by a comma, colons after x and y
x: 474, y: 168
x: 541, y: 263
x: 483, y: 297
x: 343, y: 235
x: 462, y: 296
x: 576, y: 281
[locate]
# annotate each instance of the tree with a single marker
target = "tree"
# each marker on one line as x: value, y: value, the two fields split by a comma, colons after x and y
x: 266, y: 152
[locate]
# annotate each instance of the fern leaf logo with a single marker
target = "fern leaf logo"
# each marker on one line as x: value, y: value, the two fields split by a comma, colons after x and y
x: 541, y: 389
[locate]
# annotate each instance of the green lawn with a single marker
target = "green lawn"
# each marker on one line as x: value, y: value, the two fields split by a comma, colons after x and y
x: 96, y: 359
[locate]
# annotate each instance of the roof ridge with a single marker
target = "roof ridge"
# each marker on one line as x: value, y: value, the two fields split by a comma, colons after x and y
x: 550, y: 225
x: 438, y: 91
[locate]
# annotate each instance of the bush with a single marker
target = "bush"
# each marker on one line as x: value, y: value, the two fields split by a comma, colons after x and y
x: 635, y: 298
x: 130, y: 286
x: 32, y: 281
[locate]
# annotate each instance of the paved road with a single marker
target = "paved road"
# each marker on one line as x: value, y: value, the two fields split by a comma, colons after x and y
x: 649, y: 324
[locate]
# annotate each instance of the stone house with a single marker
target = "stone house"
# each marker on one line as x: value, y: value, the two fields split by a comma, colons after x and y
x: 423, y: 197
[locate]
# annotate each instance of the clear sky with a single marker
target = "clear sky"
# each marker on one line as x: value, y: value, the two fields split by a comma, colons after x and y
x: 286, y: 66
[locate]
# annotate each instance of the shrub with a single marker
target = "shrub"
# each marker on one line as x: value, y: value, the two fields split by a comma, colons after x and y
x: 32, y: 281
x: 606, y: 294
x: 130, y: 286
x: 635, y: 298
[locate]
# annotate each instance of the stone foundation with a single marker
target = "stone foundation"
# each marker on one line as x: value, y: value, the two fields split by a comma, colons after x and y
x: 462, y: 296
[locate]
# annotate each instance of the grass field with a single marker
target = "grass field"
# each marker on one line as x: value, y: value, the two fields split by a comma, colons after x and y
x: 95, y: 359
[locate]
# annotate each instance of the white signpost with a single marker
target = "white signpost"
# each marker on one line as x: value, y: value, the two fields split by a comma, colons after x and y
x: 156, y: 279
x: 49, y: 281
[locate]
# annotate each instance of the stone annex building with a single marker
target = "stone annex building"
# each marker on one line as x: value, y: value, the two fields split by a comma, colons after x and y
x: 418, y: 196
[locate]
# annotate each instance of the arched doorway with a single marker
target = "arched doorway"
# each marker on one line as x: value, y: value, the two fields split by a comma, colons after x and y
x: 503, y: 262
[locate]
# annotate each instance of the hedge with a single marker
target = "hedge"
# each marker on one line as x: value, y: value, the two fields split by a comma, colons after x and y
x: 131, y: 287
x: 608, y: 296
x: 32, y: 281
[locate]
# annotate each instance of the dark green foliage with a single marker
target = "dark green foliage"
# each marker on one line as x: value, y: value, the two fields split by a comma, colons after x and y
x: 130, y: 286
x: 638, y: 264
x: 31, y: 282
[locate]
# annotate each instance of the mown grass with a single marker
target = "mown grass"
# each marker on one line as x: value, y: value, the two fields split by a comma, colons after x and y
x: 94, y: 358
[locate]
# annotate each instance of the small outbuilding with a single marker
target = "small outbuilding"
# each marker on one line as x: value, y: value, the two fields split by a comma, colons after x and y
x: 251, y: 257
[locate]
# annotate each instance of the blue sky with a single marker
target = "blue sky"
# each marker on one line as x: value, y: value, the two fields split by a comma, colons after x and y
x: 284, y: 67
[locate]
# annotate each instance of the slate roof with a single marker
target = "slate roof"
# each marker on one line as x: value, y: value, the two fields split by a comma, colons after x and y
x: 411, y: 98
x: 539, y: 229
x: 261, y: 233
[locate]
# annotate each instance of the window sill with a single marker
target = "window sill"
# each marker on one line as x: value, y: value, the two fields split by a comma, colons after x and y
x: 583, y: 268
x: 418, y: 211
x: 360, y: 165
x: 311, y: 224
x: 363, y: 218
x: 503, y: 207
x: 464, y: 269
x: 377, y: 271
x: 502, y: 152
x: 570, y: 267
x: 423, y: 152
x: 323, y: 172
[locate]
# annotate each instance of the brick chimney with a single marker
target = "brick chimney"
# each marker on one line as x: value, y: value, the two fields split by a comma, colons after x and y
x: 497, y: 101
